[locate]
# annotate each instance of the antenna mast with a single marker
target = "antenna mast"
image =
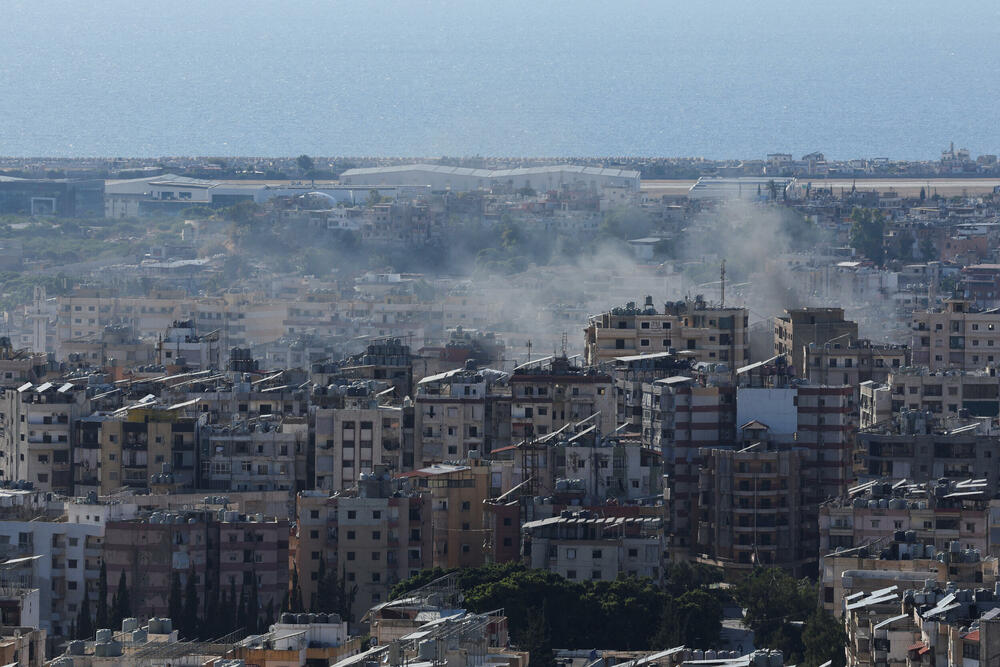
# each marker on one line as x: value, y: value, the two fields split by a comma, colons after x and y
x: 722, y: 281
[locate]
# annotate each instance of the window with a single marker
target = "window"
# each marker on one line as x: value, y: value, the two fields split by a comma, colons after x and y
x: 644, y: 342
x: 351, y: 514
x: 571, y: 574
x: 350, y: 535
x: 596, y: 554
x: 350, y: 555
x: 570, y: 554
x: 376, y: 555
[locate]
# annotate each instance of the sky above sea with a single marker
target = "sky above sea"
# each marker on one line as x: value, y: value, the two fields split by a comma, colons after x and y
x: 503, y: 78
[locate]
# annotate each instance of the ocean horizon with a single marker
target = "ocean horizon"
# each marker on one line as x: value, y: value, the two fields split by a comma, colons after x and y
x: 716, y: 80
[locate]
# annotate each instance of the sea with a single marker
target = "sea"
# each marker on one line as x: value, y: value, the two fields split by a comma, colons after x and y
x: 505, y: 78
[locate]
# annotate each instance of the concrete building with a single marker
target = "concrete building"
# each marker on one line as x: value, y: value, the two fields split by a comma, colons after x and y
x: 372, y: 538
x: 852, y: 362
x: 458, y: 412
x: 588, y: 547
x: 630, y: 373
x: 961, y: 335
x: 292, y: 643
x: 704, y: 332
x: 801, y: 327
x: 37, y: 425
x: 456, y: 494
x: 920, y: 447
x: 262, y: 454
x: 946, y: 393
x: 354, y: 437
x: 552, y: 392
x: 881, y: 565
x: 953, y: 517
x: 221, y: 553
x: 681, y: 416
x: 751, y: 511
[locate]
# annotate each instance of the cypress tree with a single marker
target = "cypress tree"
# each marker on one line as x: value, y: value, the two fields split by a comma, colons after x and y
x: 189, y: 612
x: 102, y: 597
x: 84, y: 626
x: 174, y: 608
x: 253, y: 608
x: 122, y: 603
x: 242, y: 620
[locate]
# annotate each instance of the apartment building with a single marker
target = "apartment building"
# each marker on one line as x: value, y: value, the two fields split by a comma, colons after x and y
x: 630, y: 373
x: 959, y: 335
x: 222, y: 553
x: 129, y: 447
x: 882, y: 565
x: 944, y: 516
x: 852, y: 362
x: 60, y: 556
x: 263, y: 454
x: 371, y: 539
x: 458, y: 412
x: 800, y: 327
x: 356, y: 436
x: 585, y: 546
x: 680, y: 417
x: 551, y: 393
x: 874, y: 403
x: 750, y: 511
x: 946, y: 393
x: 455, y: 494
x: 37, y: 433
x: 709, y: 333
x: 921, y: 447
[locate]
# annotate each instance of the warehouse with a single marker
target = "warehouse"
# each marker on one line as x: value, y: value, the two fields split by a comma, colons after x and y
x: 541, y: 179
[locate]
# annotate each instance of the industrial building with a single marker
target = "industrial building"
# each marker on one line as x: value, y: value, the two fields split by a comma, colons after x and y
x: 541, y: 179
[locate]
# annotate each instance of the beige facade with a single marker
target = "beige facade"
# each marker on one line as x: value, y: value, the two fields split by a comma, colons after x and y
x: 36, y: 434
x: 128, y: 449
x: 708, y: 333
x: 456, y: 494
x: 370, y: 539
x: 352, y: 440
x: 799, y: 327
x: 945, y: 393
x: 960, y: 335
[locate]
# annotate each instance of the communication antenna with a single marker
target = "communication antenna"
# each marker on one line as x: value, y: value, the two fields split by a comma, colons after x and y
x: 722, y: 281
x: 564, y: 340
x: 529, y: 350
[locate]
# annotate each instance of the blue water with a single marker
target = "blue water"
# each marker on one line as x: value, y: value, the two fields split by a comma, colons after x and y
x: 504, y: 78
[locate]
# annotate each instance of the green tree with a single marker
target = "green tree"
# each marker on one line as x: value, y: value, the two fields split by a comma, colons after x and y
x: 253, y: 607
x: 923, y: 194
x: 295, y: 604
x: 773, y: 599
x: 102, y: 617
x: 927, y: 250
x: 84, y: 626
x: 189, y: 611
x: 175, y: 602
x: 867, y: 230
x: 536, y: 638
x: 122, y: 606
x: 903, y: 247
x: 305, y: 163
x: 823, y: 639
